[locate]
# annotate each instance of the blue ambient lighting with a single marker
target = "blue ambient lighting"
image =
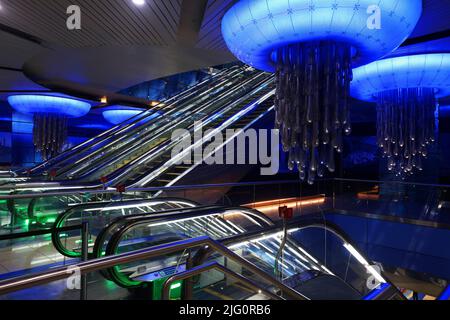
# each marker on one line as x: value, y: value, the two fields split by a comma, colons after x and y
x: 444, y: 111
x: 118, y: 114
x: 41, y: 104
x: 445, y: 295
x: 376, y: 292
x: 253, y: 29
x: 417, y: 71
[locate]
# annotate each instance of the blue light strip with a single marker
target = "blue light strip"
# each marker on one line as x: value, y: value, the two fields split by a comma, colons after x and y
x: 117, y: 114
x: 445, y: 295
x: 253, y: 29
x: 376, y: 292
x: 416, y: 71
x: 43, y: 104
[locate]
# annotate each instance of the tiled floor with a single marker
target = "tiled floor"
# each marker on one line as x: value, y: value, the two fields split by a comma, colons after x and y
x: 23, y: 255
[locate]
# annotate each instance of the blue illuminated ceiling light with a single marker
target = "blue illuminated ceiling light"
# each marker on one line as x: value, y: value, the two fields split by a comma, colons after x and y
x: 416, y: 71
x: 406, y: 90
x: 117, y: 114
x: 50, y: 115
x: 41, y: 104
x: 254, y: 29
x: 312, y: 46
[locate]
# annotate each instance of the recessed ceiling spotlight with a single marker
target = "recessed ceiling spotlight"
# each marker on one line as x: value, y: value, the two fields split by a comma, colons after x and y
x: 139, y: 2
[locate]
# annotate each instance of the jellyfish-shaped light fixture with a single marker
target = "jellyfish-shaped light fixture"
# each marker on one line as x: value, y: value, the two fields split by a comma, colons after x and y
x: 406, y: 90
x: 312, y: 46
x: 50, y: 117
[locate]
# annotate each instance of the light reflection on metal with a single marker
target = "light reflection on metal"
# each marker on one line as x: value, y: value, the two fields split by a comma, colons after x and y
x: 266, y: 206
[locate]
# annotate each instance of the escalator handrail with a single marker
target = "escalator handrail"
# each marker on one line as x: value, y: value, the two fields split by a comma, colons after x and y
x: 217, y: 267
x: 123, y: 226
x: 82, y: 268
x: 160, y: 250
x: 120, y: 126
x: 206, y: 105
x: 304, y: 223
x: 116, y: 174
x: 136, y: 125
x: 56, y: 240
x: 169, y: 215
x: 82, y: 191
x: 120, y: 222
x: 152, y: 154
x: 248, y: 125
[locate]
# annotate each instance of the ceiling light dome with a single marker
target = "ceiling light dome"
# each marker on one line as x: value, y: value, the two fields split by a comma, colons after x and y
x: 312, y: 45
x: 406, y: 90
x: 50, y: 114
x: 117, y: 114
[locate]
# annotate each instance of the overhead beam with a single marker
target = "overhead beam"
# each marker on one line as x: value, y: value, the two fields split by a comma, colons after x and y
x: 426, y: 38
x: 192, y: 15
x: 20, y: 34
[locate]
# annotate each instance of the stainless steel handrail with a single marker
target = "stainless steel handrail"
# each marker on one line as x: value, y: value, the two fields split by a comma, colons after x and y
x: 151, y: 189
x: 214, y: 266
x: 434, y: 185
x: 129, y: 121
x: 111, y: 261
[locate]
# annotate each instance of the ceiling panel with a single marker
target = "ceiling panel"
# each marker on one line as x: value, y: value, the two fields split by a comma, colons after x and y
x: 210, y: 36
x: 104, y: 22
x: 15, y: 51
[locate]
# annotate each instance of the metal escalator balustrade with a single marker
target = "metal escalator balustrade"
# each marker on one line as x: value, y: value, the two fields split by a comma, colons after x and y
x: 100, y: 215
x: 247, y: 254
x: 144, y: 161
x: 175, y: 109
x: 123, y: 126
x: 175, y: 172
x: 140, y: 145
x: 250, y: 110
x: 148, y: 230
x: 170, y: 110
x: 160, y: 250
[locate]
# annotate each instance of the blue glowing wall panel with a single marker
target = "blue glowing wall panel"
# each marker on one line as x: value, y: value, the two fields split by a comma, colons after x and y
x: 253, y: 29
x: 23, y: 153
x: 417, y: 71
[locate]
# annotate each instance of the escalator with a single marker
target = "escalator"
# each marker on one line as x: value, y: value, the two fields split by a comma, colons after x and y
x: 247, y: 233
x: 128, y: 147
x: 138, y: 152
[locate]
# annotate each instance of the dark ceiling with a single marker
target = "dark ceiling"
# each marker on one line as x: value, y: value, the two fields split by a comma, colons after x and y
x: 121, y: 45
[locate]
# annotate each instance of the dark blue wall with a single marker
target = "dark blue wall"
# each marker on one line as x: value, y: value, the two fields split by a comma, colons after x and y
x: 397, y: 245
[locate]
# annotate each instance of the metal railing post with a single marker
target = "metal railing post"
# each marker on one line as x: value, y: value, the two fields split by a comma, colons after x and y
x: 84, y: 257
